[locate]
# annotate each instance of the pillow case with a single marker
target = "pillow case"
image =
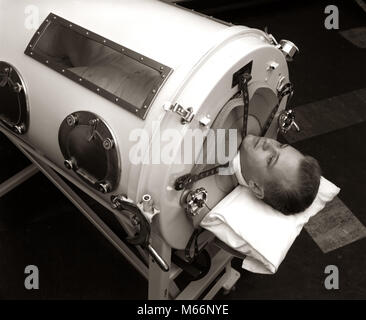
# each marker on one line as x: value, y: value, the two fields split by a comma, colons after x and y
x: 263, y: 234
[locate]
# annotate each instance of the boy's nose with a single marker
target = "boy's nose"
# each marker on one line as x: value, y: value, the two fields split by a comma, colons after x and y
x: 265, y: 145
x: 268, y: 144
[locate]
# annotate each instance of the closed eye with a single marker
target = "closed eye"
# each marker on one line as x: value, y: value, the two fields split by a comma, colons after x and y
x: 270, y: 159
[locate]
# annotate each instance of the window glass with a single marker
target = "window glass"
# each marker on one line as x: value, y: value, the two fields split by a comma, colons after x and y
x: 121, y: 75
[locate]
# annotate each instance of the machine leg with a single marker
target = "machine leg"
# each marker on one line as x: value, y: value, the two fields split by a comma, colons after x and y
x: 173, y: 290
x: 232, y: 276
x: 18, y: 179
x: 226, y: 282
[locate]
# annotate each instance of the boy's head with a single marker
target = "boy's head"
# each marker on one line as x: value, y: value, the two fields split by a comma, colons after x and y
x: 279, y: 174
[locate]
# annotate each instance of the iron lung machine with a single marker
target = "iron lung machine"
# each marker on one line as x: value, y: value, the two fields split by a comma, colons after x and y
x: 75, y: 88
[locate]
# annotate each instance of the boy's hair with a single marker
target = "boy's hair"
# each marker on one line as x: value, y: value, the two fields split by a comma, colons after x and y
x: 290, y: 199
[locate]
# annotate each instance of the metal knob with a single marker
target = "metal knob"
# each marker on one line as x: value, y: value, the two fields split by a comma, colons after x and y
x: 289, y: 49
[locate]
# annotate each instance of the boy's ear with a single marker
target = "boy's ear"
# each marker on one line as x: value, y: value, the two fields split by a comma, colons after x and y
x: 256, y: 189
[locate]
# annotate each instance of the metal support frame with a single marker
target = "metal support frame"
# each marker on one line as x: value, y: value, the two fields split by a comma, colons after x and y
x: 18, y: 179
x: 161, y: 284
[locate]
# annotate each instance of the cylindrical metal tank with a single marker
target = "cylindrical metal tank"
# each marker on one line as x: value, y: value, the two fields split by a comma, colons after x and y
x: 188, y: 61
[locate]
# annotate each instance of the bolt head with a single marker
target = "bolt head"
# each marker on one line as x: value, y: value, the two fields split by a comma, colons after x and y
x: 108, y: 144
x: 68, y: 164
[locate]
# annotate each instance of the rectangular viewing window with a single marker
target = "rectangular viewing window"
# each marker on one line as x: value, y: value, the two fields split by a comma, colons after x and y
x: 117, y: 73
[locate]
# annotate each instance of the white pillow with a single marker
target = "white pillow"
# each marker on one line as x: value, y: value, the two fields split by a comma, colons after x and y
x: 255, y: 229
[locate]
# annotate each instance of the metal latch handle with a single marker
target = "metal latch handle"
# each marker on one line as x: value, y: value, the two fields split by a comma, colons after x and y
x: 142, y: 238
x: 186, y: 114
x: 159, y: 260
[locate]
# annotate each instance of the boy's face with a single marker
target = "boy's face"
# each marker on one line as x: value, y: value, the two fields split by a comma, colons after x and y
x: 264, y: 159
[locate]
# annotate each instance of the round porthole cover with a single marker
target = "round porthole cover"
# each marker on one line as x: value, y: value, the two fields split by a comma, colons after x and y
x: 14, y: 107
x: 90, y: 150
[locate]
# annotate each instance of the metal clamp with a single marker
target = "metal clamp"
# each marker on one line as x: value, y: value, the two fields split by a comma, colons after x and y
x: 186, y: 114
x: 286, y: 120
x: 195, y: 201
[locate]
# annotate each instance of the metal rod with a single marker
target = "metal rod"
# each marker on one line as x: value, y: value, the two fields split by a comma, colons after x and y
x: 159, y: 260
x: 18, y: 179
x: 159, y: 281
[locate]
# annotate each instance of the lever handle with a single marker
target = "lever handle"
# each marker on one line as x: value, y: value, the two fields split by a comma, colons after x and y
x: 296, y: 126
x: 159, y: 260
